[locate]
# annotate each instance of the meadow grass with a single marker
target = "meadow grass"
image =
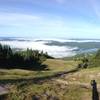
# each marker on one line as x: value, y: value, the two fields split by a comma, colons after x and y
x: 54, y: 66
x: 51, y: 89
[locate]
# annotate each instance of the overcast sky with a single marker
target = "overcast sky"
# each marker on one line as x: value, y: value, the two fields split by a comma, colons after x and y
x: 50, y: 18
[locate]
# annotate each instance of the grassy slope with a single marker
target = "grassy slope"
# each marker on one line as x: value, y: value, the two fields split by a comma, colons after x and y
x: 54, y: 66
x: 73, y: 86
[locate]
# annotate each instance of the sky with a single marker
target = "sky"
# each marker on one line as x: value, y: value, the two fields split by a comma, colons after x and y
x: 50, y: 18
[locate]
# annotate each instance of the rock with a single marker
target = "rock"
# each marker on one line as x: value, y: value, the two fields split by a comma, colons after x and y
x: 3, y: 93
x: 3, y: 90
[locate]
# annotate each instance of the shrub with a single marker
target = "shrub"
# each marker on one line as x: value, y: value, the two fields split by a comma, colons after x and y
x: 29, y: 59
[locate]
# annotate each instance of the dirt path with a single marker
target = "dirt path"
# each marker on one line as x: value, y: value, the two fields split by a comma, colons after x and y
x: 37, y: 79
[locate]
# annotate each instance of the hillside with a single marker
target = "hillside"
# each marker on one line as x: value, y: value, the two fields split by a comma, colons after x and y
x: 74, y: 85
x: 54, y: 66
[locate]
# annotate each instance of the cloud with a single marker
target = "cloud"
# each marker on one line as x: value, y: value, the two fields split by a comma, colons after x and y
x: 45, y: 25
x: 17, y: 16
x: 28, y: 21
x: 55, y: 51
x: 17, y: 19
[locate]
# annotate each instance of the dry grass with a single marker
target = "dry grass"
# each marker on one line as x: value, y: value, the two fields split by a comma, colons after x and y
x: 85, y: 75
x: 54, y: 66
x: 60, y: 65
x: 52, y: 90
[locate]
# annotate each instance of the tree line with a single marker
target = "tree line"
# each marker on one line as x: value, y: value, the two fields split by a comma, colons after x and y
x: 92, y: 60
x: 28, y: 59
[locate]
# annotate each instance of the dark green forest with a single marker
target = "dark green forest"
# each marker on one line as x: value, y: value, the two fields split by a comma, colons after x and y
x: 28, y: 59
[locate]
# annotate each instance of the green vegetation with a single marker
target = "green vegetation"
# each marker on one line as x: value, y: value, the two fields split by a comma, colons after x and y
x: 26, y: 89
x: 54, y: 66
x: 94, y: 60
x: 42, y: 84
x: 48, y: 91
x: 29, y: 59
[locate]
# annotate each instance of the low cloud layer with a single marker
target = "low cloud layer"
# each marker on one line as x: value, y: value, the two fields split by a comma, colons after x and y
x: 55, y: 51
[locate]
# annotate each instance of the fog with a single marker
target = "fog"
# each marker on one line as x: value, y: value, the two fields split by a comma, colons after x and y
x: 55, y: 51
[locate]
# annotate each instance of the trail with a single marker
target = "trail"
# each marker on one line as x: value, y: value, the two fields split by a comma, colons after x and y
x: 37, y: 79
